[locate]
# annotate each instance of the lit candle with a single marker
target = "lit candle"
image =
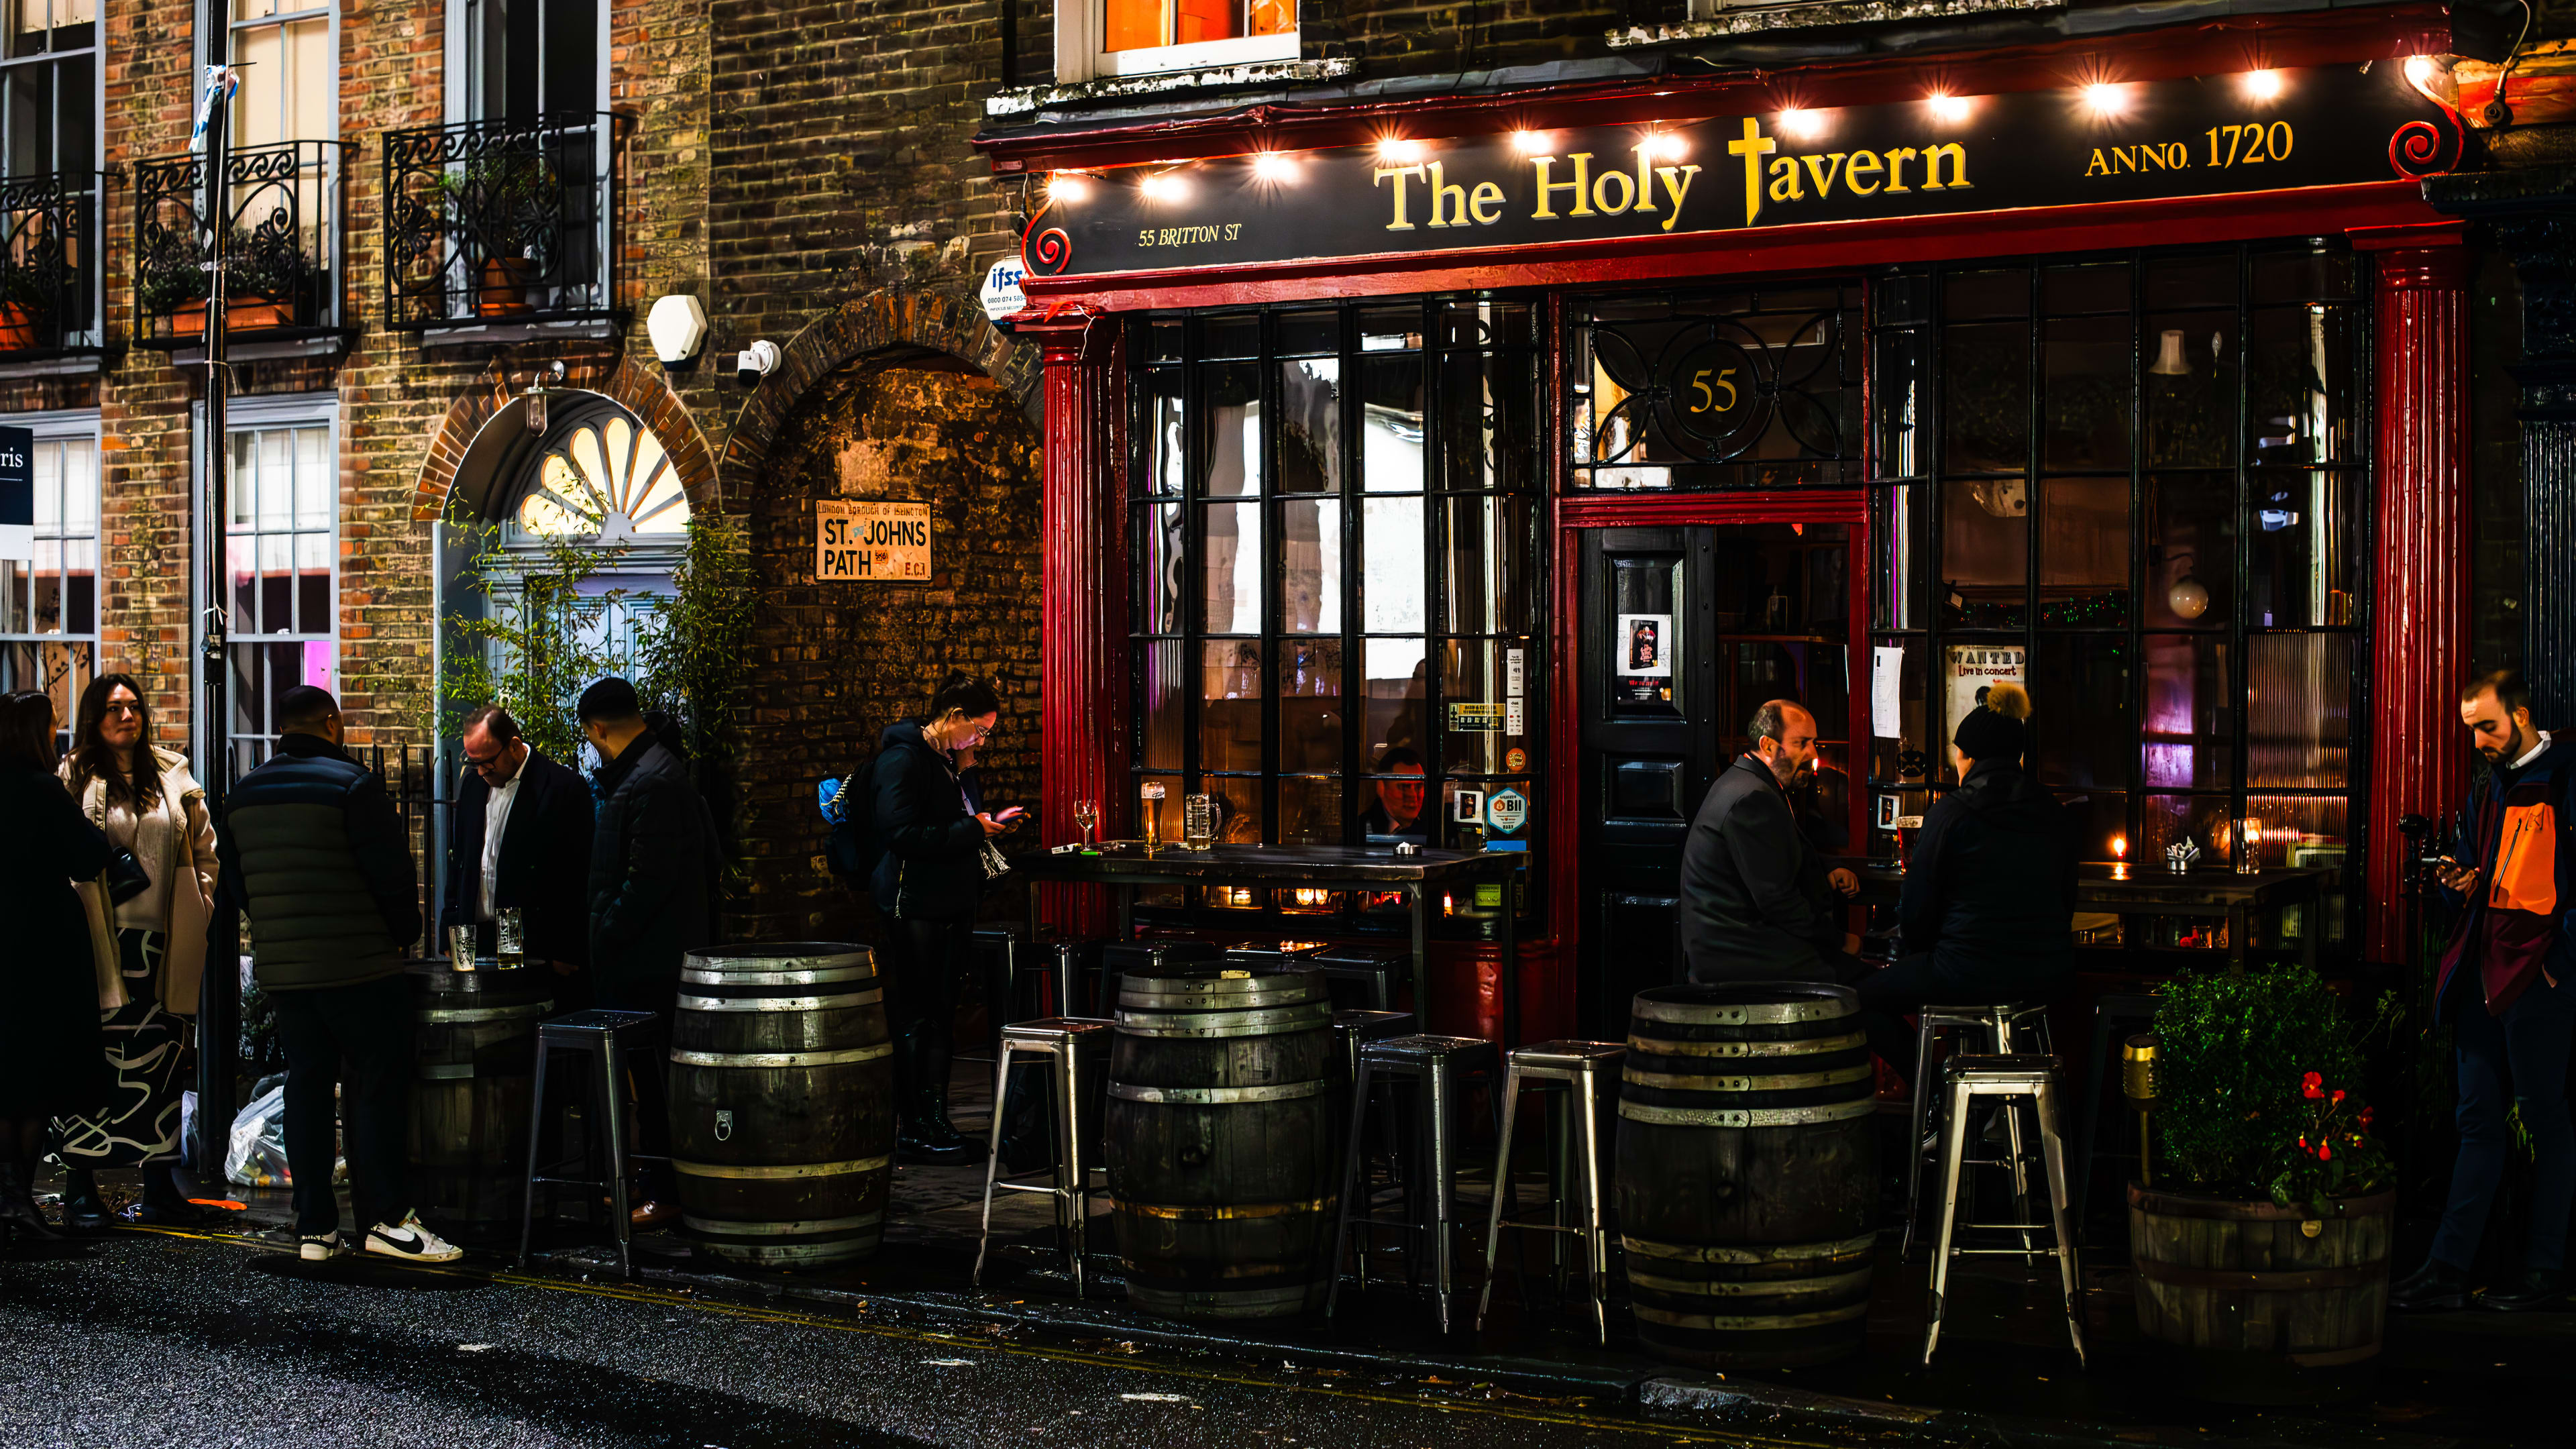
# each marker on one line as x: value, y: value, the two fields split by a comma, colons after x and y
x: 2120, y: 853
x: 2249, y: 845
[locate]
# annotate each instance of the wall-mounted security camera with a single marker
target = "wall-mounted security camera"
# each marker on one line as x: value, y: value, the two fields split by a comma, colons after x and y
x: 755, y: 362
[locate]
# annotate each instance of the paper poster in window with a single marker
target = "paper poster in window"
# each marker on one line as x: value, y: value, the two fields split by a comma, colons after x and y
x: 1972, y: 670
x: 1645, y: 646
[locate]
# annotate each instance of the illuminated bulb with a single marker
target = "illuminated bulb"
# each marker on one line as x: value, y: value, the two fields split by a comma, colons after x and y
x: 1068, y: 186
x: 1162, y: 188
x: 1803, y: 124
x: 2263, y: 85
x: 2120, y: 846
x: 1666, y: 146
x: 1399, y: 150
x: 1531, y: 143
x: 1949, y: 108
x: 2419, y: 71
x: 2105, y: 98
x: 1272, y: 166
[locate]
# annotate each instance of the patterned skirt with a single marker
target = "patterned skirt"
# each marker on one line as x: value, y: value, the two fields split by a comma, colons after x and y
x: 145, y: 1045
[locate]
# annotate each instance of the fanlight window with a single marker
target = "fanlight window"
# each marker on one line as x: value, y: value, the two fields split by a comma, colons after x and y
x: 609, y: 480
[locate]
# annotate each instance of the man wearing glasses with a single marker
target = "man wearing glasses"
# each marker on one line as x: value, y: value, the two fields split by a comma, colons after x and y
x: 520, y: 839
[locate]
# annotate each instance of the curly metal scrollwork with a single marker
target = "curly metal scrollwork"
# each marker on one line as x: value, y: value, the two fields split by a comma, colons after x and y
x: 492, y: 218
x: 1714, y: 390
x: 44, y: 254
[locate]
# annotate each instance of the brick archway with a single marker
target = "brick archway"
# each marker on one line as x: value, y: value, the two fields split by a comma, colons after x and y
x: 923, y: 324
x: 619, y: 379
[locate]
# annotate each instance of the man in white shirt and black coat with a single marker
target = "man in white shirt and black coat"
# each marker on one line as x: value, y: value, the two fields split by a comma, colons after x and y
x: 520, y: 838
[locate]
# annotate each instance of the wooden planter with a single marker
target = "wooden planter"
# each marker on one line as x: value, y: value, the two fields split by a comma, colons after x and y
x: 241, y: 314
x: 504, y: 286
x: 2249, y: 1278
x: 17, y: 327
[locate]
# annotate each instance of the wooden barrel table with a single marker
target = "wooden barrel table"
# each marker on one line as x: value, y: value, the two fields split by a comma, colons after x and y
x: 474, y: 1050
x: 2254, y: 1280
x: 1225, y: 1090
x: 782, y: 1103
x: 1747, y: 1170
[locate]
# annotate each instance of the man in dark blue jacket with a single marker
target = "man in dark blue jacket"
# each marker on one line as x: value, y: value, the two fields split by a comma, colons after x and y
x: 1987, y: 910
x: 2505, y: 987
x: 652, y: 852
x: 315, y: 855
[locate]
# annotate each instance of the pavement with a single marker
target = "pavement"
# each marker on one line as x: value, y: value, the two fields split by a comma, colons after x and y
x: 162, y: 1337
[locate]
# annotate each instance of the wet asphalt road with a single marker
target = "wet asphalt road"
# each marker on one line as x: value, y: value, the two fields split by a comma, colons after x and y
x: 166, y: 1339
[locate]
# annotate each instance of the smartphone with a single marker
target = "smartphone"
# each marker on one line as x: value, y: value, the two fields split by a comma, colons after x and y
x: 1007, y: 816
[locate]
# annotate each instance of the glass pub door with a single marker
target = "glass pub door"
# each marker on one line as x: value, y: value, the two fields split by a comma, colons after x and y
x: 1685, y: 631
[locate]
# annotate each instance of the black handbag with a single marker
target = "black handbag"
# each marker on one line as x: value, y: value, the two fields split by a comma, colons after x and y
x: 125, y: 876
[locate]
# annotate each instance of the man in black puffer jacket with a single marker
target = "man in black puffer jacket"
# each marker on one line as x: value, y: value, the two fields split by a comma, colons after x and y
x: 313, y: 852
x: 1988, y: 905
x: 650, y: 904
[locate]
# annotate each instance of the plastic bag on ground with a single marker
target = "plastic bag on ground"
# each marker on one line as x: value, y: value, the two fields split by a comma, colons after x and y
x: 255, y: 1154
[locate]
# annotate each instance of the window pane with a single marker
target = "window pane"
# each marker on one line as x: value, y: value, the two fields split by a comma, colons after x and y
x: 1986, y: 391
x: 2190, y: 733
x: 245, y: 480
x: 1985, y: 551
x: 2191, y: 389
x: 1163, y: 685
x: 2168, y: 820
x: 276, y: 481
x: 2099, y: 817
x: 2087, y: 393
x: 312, y: 79
x: 312, y: 478
x: 2080, y: 710
x: 79, y: 473
x: 2298, y: 710
x: 1900, y: 748
x: 1230, y: 707
x: 1900, y: 439
x: 2305, y: 392
x: 1904, y: 576
x: 239, y: 551
x: 2087, y: 289
x: 1310, y: 425
x: 1230, y: 572
x: 1164, y: 441
x: 1309, y: 332
x: 15, y: 582
x: 80, y: 586
x: 276, y: 583
x: 1492, y: 578
x: 2303, y: 276
x: 1391, y: 425
x: 1310, y: 704
x: 313, y: 583
x: 2303, y: 558
x: 1233, y: 431
x: 1310, y: 567
x: 1986, y: 294
x: 1489, y: 420
x: 1310, y: 812
x: 2201, y: 281
x: 2191, y: 533
x: 2084, y: 552
x: 259, y: 110
x: 1396, y: 696
x: 1159, y: 567
x: 1391, y: 554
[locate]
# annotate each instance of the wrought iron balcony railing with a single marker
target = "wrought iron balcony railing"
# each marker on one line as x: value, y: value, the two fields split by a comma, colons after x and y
x: 49, y: 277
x: 501, y: 222
x: 285, y: 268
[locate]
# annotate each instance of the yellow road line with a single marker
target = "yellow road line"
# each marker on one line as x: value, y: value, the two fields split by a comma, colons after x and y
x: 662, y: 1298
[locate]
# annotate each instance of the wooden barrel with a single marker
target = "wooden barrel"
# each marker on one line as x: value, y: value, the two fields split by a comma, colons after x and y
x: 1225, y: 1088
x: 1748, y: 1173
x: 782, y: 1093
x: 2308, y: 1290
x: 474, y: 1049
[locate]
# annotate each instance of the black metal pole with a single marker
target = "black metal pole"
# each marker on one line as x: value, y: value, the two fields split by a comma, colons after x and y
x: 219, y: 1006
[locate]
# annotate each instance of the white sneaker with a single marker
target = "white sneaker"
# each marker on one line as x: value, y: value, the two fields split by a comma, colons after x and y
x: 318, y: 1247
x: 409, y: 1239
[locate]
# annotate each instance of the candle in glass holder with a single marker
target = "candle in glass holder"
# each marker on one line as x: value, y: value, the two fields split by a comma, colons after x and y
x: 2119, y: 857
x: 2249, y: 846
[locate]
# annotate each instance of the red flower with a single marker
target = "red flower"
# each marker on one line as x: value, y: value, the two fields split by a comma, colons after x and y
x: 2313, y: 1085
x: 2325, y: 1152
x: 2338, y: 1096
x: 2365, y: 1119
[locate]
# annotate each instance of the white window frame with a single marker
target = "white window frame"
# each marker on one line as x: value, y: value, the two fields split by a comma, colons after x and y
x: 79, y: 425
x: 288, y: 10
x: 93, y: 246
x: 212, y: 738
x: 1082, y: 28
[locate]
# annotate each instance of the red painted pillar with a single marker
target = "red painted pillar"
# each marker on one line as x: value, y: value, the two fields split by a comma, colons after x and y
x: 2420, y: 585
x: 1082, y: 604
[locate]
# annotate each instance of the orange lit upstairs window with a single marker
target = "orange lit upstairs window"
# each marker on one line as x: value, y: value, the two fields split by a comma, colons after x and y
x: 1150, y: 24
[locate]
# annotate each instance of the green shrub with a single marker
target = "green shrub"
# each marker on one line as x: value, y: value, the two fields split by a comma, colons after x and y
x: 2257, y: 1087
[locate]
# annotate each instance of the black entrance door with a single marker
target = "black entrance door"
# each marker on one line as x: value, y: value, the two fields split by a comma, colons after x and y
x: 1685, y: 632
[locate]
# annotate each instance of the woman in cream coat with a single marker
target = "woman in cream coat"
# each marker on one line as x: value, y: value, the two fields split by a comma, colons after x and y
x: 150, y: 951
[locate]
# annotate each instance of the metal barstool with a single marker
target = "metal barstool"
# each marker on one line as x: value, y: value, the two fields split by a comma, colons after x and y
x: 1441, y: 1064
x: 609, y: 1039
x: 1071, y: 1048
x: 1571, y: 1072
x: 1378, y: 973
x: 2023, y: 1083
x: 2007, y: 1027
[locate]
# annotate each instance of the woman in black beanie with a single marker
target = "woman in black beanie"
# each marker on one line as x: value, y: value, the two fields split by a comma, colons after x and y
x: 1987, y: 910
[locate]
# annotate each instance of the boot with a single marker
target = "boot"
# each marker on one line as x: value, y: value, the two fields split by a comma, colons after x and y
x: 162, y: 1205
x: 939, y: 1132
x: 2535, y: 1289
x: 83, y: 1210
x: 18, y: 1206
x: 922, y: 1133
x: 2437, y: 1287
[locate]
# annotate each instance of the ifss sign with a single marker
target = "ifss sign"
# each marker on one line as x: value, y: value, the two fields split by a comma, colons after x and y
x: 871, y: 543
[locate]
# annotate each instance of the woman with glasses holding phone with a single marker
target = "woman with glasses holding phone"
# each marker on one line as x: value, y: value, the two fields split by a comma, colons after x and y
x: 147, y: 923
x: 938, y: 857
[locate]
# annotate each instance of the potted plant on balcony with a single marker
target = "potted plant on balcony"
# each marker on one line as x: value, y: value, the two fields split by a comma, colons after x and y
x: 505, y: 204
x: 2266, y: 1249
x: 260, y: 279
x: 24, y: 298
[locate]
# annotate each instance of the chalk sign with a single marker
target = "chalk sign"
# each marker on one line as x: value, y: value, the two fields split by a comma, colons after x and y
x: 871, y: 543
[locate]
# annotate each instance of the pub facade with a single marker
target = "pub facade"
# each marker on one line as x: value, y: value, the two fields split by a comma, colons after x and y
x: 1461, y: 460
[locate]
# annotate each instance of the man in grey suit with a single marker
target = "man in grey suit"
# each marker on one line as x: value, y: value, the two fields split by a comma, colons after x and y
x: 1757, y: 905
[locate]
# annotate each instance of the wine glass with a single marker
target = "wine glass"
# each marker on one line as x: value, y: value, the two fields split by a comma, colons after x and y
x: 1086, y: 814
